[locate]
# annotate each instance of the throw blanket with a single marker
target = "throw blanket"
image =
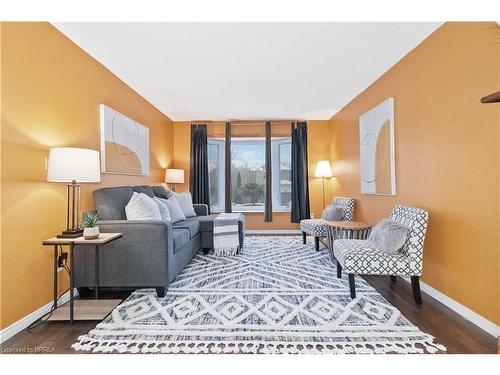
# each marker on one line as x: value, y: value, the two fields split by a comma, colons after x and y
x: 226, y: 238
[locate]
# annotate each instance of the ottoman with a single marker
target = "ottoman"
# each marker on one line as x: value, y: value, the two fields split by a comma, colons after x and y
x: 207, y: 231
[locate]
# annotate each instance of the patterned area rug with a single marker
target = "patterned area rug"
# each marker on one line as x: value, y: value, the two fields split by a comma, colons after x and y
x: 278, y: 296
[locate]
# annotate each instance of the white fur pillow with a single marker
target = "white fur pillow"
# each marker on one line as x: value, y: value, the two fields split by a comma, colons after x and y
x: 176, y: 213
x: 142, y: 207
x: 333, y: 214
x: 389, y: 236
x: 162, y: 205
x: 185, y: 202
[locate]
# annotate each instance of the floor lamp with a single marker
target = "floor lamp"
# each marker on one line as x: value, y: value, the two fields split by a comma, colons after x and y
x: 73, y: 166
x: 323, y: 170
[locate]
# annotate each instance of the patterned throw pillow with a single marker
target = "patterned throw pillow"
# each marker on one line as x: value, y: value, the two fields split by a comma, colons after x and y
x: 389, y: 236
x: 333, y: 214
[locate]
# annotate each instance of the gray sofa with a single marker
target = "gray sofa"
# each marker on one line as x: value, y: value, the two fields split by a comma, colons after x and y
x: 150, y: 254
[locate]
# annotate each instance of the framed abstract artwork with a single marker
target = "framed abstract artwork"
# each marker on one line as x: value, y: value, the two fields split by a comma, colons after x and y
x: 376, y: 145
x: 124, y: 144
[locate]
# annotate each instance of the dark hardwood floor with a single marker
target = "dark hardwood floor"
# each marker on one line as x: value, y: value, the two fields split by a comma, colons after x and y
x: 449, y: 328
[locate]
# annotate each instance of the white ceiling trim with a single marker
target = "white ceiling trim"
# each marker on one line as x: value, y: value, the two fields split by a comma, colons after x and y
x: 248, y: 71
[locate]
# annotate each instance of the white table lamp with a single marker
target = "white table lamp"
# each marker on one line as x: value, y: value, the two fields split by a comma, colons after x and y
x: 73, y: 166
x: 323, y: 170
x: 174, y: 176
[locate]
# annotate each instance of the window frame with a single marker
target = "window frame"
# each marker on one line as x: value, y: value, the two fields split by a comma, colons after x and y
x: 276, y: 142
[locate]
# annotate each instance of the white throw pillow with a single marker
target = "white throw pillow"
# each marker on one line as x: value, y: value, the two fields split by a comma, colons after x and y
x: 185, y: 202
x: 142, y: 207
x: 162, y: 205
x: 174, y: 209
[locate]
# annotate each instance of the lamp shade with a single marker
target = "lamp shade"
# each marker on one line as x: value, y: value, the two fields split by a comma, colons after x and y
x: 323, y: 169
x: 67, y: 164
x: 174, y: 176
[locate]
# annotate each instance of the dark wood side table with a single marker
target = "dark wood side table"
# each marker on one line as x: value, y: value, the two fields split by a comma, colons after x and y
x: 86, y: 309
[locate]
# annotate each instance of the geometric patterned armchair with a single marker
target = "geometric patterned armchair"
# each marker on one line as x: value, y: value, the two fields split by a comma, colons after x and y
x: 317, y: 227
x: 362, y: 257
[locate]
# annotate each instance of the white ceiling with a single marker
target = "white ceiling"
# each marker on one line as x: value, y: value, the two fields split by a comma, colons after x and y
x: 216, y: 71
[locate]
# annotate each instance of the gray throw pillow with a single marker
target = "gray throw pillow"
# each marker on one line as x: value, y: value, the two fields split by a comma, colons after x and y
x: 185, y: 202
x: 174, y: 209
x: 389, y: 236
x: 162, y: 205
x: 333, y: 214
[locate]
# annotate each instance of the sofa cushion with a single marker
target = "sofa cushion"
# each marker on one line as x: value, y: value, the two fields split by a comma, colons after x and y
x: 207, y: 222
x: 110, y: 202
x: 180, y: 237
x: 192, y: 224
x: 144, y: 189
x: 161, y: 192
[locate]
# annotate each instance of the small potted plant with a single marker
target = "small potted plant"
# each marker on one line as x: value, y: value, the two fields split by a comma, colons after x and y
x: 90, y: 228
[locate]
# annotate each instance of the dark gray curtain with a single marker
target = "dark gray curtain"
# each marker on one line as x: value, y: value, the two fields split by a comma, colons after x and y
x: 268, y: 207
x: 198, y: 176
x: 228, y: 202
x: 300, y: 178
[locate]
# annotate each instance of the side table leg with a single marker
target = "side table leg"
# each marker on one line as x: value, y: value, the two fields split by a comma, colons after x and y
x: 71, y: 282
x: 96, y: 272
x: 55, y: 276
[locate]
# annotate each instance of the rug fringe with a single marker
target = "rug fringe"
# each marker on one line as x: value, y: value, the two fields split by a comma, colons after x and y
x: 226, y: 251
x: 238, y: 347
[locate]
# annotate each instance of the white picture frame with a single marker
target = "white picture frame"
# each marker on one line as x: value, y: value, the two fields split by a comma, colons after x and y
x: 377, y: 160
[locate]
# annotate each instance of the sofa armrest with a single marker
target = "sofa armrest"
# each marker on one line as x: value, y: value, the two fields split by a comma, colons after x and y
x: 142, y: 257
x: 200, y: 209
x: 153, y: 235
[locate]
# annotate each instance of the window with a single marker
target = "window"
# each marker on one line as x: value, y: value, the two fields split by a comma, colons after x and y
x: 282, y: 174
x: 216, y: 173
x: 248, y: 173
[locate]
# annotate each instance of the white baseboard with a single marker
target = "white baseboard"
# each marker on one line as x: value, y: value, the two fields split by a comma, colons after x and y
x: 273, y: 231
x: 23, y: 323
x: 460, y: 309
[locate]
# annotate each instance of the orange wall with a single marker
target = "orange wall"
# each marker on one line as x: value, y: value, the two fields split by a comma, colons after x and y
x: 447, y: 157
x: 318, y: 149
x: 51, y: 90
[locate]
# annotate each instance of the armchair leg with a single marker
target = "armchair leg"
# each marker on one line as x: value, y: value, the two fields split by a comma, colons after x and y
x: 339, y: 270
x: 352, y: 285
x: 304, y: 238
x: 205, y: 251
x: 316, y: 243
x: 393, y: 279
x: 415, y: 284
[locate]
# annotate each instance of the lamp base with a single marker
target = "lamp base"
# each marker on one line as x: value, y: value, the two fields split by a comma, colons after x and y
x: 71, y: 233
